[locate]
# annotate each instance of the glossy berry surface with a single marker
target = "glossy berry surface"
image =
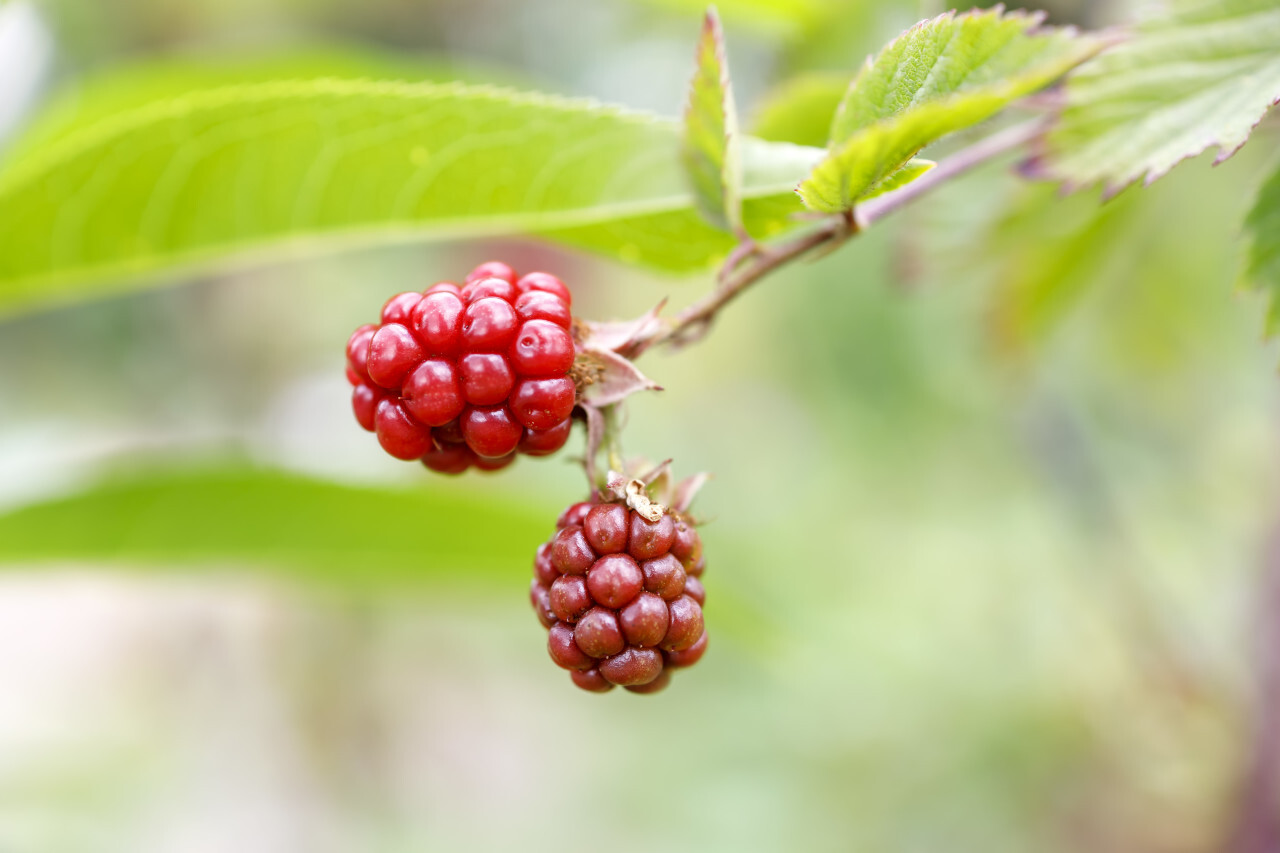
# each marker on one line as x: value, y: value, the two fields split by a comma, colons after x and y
x: 471, y: 375
x: 620, y: 597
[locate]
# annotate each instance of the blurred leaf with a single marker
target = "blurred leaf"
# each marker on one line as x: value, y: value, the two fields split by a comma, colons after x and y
x: 262, y: 518
x: 1263, y: 226
x: 800, y: 110
x: 709, y: 141
x: 1200, y: 77
x: 940, y: 76
x: 915, y: 167
x: 327, y: 163
x: 106, y: 93
x: 788, y: 18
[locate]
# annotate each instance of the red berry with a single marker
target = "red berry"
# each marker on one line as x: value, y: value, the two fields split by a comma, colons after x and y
x: 364, y: 401
x: 542, y: 403
x: 632, y: 666
x: 696, y: 570
x: 492, y: 269
x: 393, y: 352
x: 543, y: 569
x: 694, y: 589
x: 491, y: 431
x: 486, y: 378
x: 437, y: 321
x: 614, y: 580
x: 645, y: 620
x: 547, y: 283
x: 541, y: 604
x: 569, y: 598
x: 537, y: 305
x: 398, y: 433
x: 488, y: 325
x: 564, y: 651
x: 651, y: 538
x: 358, y: 350
x: 570, y: 552
x: 432, y: 394
x: 687, y: 547
x: 686, y: 624
x: 590, y: 680
x: 449, y: 459
x: 664, y: 576
x: 576, y: 514
x: 443, y: 287
x: 689, y: 656
x: 398, y: 307
x: 542, y: 349
x: 353, y: 377
x: 598, y: 633
x: 544, y: 442
x: 658, y: 684
x: 450, y: 433
x: 482, y: 287
x: 606, y: 528
x: 485, y: 463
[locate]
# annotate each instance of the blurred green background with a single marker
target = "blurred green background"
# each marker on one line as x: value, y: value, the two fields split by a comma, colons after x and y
x: 993, y: 486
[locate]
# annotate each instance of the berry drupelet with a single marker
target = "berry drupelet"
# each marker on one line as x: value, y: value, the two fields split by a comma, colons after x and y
x: 620, y: 596
x: 469, y: 376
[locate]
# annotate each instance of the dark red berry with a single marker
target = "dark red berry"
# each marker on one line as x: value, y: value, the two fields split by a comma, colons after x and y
x: 564, y: 651
x: 598, y: 633
x: 606, y: 528
x: 488, y: 325
x: 687, y: 547
x: 542, y: 349
x: 450, y: 433
x: 432, y: 393
x: 634, y: 614
x: 689, y: 656
x: 449, y: 459
x: 569, y: 598
x: 614, y: 580
x: 658, y: 684
x: 491, y: 431
x: 590, y: 680
x: 492, y: 269
x: 664, y: 577
x: 398, y: 308
x: 393, y: 352
x: 697, y: 568
x: 482, y: 287
x: 544, y: 442
x: 632, y: 666
x: 398, y: 433
x: 576, y: 514
x: 686, y: 624
x: 538, y: 596
x: 543, y: 569
x: 694, y: 589
x: 645, y: 620
x: 486, y: 378
x: 437, y: 322
x: 570, y: 552
x: 537, y: 305
x: 651, y: 538
x: 547, y: 283
x: 364, y: 401
x: 542, y: 403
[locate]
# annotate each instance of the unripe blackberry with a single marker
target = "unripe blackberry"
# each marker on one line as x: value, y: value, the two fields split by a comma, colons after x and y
x: 618, y: 602
x: 467, y: 377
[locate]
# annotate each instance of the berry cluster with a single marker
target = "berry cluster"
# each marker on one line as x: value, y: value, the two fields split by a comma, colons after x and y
x: 620, y: 596
x: 471, y: 375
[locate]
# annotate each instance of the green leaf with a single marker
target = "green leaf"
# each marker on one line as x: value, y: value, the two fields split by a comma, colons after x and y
x: 1263, y: 265
x: 709, y: 142
x: 324, y: 164
x: 800, y: 110
x: 1199, y: 78
x: 915, y: 167
x: 270, y: 519
x: 942, y: 75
